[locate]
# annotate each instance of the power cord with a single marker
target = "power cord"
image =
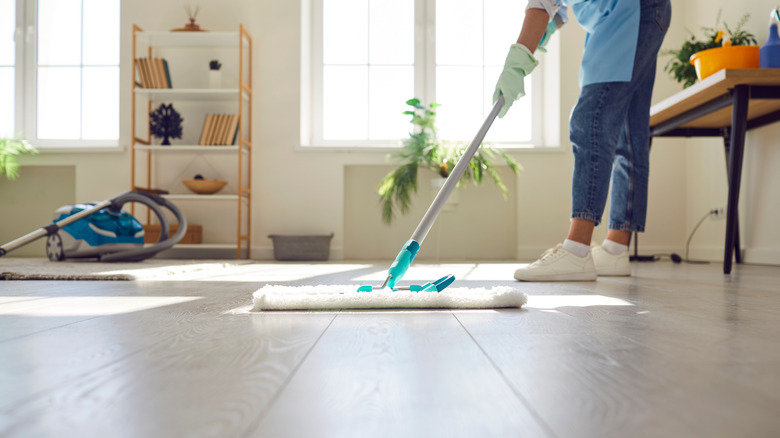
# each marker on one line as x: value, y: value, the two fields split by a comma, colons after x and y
x: 673, y: 256
x: 713, y: 212
x: 651, y: 258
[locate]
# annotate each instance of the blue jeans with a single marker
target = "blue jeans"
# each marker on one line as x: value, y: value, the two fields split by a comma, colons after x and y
x: 610, y: 134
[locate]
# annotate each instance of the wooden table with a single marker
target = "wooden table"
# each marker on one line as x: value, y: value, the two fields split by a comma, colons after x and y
x: 727, y: 104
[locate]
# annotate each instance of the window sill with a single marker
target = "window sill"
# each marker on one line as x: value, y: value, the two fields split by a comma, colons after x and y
x: 390, y: 150
x: 49, y: 149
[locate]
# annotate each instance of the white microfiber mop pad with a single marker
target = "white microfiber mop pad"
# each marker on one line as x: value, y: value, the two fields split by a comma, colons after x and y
x: 338, y: 297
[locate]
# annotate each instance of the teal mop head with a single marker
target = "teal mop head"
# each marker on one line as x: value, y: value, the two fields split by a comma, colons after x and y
x: 402, y: 262
x: 399, y: 267
x: 436, y: 286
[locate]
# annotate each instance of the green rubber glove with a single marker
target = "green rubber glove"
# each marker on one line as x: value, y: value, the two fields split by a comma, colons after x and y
x: 548, y: 33
x: 519, y: 63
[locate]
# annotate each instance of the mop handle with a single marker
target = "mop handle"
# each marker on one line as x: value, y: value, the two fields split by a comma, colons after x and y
x: 452, y: 180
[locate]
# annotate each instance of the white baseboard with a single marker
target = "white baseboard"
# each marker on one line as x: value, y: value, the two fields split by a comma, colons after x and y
x: 762, y: 256
x: 755, y: 256
x: 758, y: 256
x: 708, y: 253
x: 267, y: 253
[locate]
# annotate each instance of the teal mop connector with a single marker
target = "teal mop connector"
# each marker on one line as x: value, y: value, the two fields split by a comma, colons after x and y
x: 402, y: 262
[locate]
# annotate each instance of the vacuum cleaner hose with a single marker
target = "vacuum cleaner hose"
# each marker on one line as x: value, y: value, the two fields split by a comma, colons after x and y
x: 154, y: 203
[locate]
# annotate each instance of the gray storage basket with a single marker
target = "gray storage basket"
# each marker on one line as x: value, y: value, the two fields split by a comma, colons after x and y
x: 301, y: 248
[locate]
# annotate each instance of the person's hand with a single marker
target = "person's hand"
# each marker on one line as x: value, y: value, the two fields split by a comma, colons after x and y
x: 548, y: 33
x: 519, y: 64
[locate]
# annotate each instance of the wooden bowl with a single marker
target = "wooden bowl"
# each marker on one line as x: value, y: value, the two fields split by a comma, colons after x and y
x: 204, y: 186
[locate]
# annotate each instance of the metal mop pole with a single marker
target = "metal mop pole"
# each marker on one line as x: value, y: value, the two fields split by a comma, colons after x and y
x: 452, y: 181
x: 409, y: 250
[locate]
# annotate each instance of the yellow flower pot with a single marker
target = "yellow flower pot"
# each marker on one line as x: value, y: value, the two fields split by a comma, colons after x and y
x: 710, y: 61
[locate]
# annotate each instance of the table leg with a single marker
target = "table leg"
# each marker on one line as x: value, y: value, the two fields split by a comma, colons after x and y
x: 727, y: 147
x: 740, y: 95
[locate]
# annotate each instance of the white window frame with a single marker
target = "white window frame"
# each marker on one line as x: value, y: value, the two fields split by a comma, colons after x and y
x: 19, y: 79
x: 545, y: 86
x: 25, y: 120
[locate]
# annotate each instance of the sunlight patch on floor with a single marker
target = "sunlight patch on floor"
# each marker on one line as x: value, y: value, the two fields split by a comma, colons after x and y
x: 557, y: 301
x: 278, y: 272
x: 85, y: 306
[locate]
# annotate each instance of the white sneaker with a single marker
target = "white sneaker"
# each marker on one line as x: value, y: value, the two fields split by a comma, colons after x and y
x: 610, y: 265
x: 558, y: 264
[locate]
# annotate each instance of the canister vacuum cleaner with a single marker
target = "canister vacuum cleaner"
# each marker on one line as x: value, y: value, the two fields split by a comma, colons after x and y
x: 103, y: 231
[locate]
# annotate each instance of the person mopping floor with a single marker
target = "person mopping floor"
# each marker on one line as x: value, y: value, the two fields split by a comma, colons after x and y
x: 609, y: 127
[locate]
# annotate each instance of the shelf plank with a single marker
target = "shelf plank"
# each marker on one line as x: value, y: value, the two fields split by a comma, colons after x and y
x: 204, y: 94
x: 188, y: 148
x: 189, y: 39
x: 193, y: 197
x: 205, y: 245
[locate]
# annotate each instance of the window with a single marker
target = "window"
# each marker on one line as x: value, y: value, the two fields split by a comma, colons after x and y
x: 369, y: 56
x: 7, y: 67
x: 63, y: 69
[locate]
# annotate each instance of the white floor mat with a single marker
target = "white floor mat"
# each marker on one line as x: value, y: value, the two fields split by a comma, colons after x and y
x: 339, y: 297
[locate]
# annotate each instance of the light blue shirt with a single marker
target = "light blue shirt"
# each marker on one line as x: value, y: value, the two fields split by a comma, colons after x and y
x: 611, y: 43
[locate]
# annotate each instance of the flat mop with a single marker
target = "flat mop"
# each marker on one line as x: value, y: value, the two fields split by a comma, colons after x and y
x: 390, y: 294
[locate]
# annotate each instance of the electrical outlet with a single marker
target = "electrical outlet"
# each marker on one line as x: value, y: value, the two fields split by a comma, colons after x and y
x: 718, y: 213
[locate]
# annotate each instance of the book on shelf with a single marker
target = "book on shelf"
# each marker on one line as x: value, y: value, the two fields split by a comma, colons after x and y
x: 219, y: 130
x: 143, y: 81
x: 220, y: 134
x: 211, y: 138
x: 167, y: 74
x: 233, y: 131
x: 159, y: 75
x: 206, y: 128
x: 153, y: 73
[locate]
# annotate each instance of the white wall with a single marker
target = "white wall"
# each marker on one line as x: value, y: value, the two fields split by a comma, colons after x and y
x: 303, y: 191
x: 29, y: 205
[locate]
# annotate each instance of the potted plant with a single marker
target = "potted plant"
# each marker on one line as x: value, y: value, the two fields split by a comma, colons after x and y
x: 680, y: 66
x: 215, y: 75
x: 423, y: 149
x: 10, y: 149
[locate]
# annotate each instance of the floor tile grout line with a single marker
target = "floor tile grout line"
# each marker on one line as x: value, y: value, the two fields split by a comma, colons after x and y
x: 543, y: 424
x: 255, y: 424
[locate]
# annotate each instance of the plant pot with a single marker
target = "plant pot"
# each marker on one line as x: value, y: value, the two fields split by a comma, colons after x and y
x: 215, y: 79
x: 452, y: 202
x: 710, y: 61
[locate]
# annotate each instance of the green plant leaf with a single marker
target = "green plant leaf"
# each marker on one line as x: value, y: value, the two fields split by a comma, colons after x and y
x: 423, y: 149
x: 10, y: 150
x: 679, y: 66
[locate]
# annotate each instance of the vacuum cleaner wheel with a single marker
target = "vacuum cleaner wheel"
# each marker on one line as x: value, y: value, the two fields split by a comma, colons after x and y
x: 54, y: 249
